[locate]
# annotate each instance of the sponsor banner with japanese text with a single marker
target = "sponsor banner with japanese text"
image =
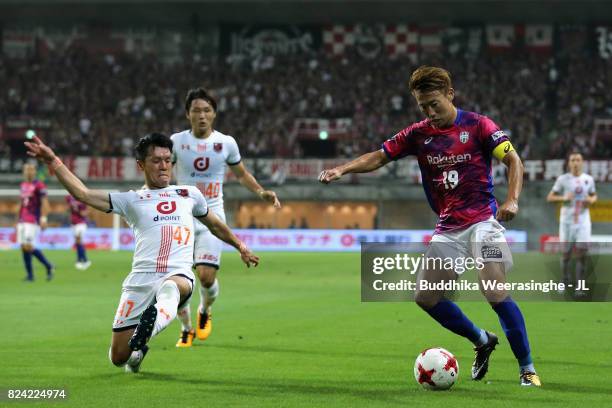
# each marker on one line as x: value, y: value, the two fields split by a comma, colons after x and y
x: 63, y: 238
x: 256, y: 239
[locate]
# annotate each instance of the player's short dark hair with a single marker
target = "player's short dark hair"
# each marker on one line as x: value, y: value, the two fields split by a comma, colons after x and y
x: 569, y: 156
x: 428, y: 79
x: 143, y: 146
x: 199, y: 93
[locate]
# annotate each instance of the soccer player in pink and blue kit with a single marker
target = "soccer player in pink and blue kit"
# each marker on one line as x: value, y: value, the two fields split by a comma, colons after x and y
x: 454, y: 149
x: 78, y: 219
x: 32, y: 215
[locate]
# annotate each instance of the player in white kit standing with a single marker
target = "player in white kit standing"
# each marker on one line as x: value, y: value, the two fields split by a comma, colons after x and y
x: 201, y: 157
x: 162, y: 217
x: 576, y: 190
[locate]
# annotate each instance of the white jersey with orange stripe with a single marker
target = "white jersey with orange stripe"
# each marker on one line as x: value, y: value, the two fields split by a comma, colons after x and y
x: 203, y: 162
x: 574, y: 211
x: 163, y: 225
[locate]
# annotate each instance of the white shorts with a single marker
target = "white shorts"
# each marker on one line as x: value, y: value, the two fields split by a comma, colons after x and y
x: 579, y: 234
x: 135, y: 298
x: 78, y: 230
x: 26, y: 233
x: 207, y: 247
x: 483, y: 240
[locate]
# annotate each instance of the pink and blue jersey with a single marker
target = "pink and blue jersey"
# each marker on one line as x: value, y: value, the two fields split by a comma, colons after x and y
x: 455, y: 165
x: 77, y: 210
x: 32, y: 193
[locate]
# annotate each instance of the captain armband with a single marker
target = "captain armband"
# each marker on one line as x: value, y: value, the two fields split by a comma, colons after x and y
x: 502, y: 149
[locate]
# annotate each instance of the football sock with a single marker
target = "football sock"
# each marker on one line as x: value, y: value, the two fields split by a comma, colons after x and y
x: 452, y: 318
x: 135, y: 357
x: 39, y: 255
x: 528, y: 367
x: 81, y: 256
x: 565, y: 270
x: 27, y: 260
x: 482, y: 339
x: 184, y: 315
x: 579, y: 268
x: 168, y: 297
x: 208, y: 295
x: 512, y: 322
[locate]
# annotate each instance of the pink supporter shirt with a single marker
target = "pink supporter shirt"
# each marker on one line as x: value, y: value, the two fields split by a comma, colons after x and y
x: 77, y: 210
x: 32, y: 193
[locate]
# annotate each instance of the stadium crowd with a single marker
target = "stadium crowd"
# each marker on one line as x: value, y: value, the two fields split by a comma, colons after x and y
x: 99, y: 105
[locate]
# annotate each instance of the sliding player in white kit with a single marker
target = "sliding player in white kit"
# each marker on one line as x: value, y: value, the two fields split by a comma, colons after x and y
x: 162, y: 217
x: 576, y: 190
x: 201, y: 157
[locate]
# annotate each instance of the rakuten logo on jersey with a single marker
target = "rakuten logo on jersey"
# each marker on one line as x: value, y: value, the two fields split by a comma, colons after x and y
x: 166, y: 207
x: 201, y: 163
x: 442, y: 161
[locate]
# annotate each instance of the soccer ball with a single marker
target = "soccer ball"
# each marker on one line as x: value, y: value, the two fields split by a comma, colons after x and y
x: 436, y: 369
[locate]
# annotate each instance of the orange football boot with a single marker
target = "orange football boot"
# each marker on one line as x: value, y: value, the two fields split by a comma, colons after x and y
x: 186, y: 338
x: 204, y: 325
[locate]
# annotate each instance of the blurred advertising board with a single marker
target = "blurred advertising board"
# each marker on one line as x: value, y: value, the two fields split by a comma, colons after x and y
x: 299, y: 240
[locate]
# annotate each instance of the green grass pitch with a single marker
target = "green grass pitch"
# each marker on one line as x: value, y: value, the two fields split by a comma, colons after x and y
x: 292, y: 332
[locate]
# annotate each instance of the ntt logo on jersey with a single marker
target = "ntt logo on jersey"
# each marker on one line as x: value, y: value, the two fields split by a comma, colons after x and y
x: 448, y: 160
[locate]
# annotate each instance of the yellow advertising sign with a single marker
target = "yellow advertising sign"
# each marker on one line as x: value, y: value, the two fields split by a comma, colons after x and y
x: 601, y: 211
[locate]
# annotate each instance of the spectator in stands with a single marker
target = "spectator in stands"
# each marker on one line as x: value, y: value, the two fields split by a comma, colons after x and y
x: 540, y: 101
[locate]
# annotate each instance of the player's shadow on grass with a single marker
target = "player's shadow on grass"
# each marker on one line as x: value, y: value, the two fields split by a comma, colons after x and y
x: 571, y: 363
x: 385, y: 391
x: 268, y: 349
x: 581, y: 389
x: 382, y: 390
x: 569, y: 388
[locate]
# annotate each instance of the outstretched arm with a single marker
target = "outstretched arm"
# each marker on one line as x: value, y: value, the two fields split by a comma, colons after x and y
x: 225, y: 234
x: 95, y: 198
x: 248, y: 180
x: 363, y: 164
